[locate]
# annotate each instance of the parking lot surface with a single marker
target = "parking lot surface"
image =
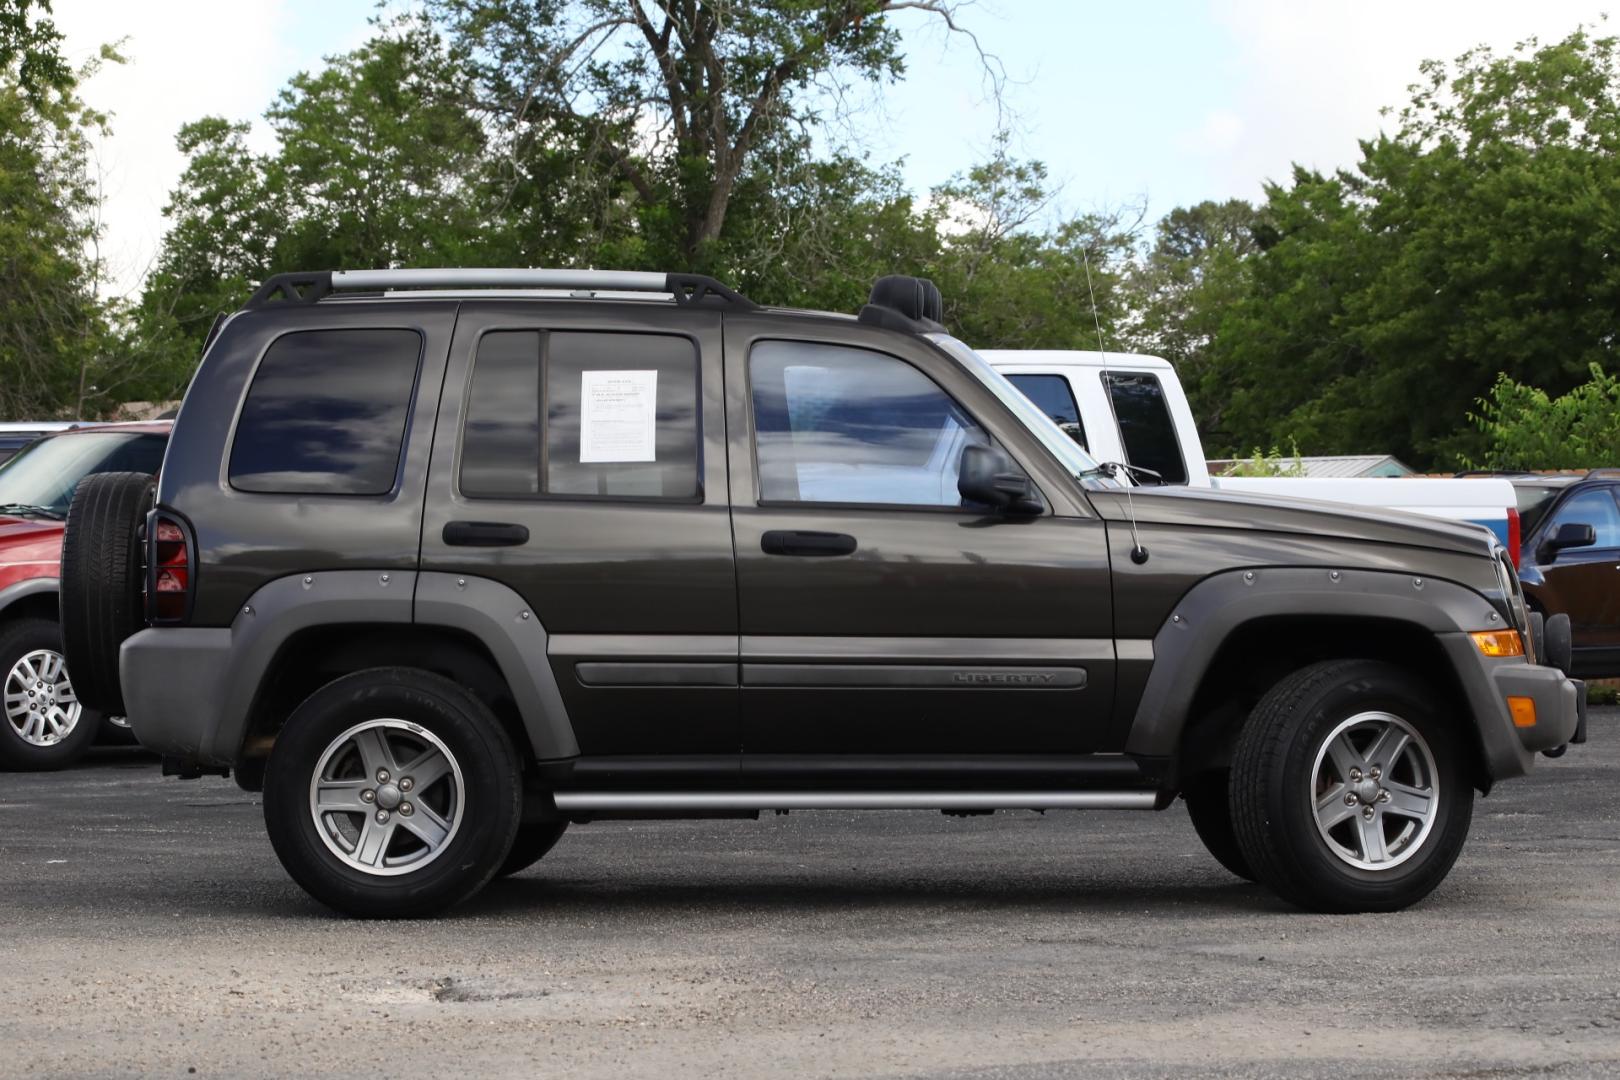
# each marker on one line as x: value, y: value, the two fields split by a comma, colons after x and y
x: 148, y: 929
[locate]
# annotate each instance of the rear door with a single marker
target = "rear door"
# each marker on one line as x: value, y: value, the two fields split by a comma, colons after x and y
x: 879, y: 615
x: 580, y: 461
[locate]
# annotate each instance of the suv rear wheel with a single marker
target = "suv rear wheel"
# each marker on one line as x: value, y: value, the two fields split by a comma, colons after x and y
x: 1349, y: 788
x: 392, y: 793
x: 45, y: 725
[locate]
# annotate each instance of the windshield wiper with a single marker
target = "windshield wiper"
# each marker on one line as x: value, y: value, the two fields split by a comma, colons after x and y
x: 1113, y: 469
x: 30, y: 510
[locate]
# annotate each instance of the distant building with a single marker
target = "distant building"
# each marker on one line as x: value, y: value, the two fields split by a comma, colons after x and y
x: 1340, y: 465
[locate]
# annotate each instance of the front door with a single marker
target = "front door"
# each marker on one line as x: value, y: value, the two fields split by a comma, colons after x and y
x: 879, y: 614
x: 583, y: 466
x: 1585, y: 582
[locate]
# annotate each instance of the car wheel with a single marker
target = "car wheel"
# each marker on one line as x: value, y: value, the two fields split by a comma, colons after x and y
x: 101, y: 581
x: 1209, y: 804
x: 1349, y: 788
x: 46, y: 727
x: 392, y: 793
x: 532, y: 843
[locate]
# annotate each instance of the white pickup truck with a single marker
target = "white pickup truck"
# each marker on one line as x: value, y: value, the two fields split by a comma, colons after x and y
x: 1155, y: 430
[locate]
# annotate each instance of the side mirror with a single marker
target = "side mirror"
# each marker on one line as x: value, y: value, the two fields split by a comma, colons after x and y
x: 1571, y: 534
x: 987, y: 475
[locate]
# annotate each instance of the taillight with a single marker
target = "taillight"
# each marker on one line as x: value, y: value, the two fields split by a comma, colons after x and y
x: 168, y: 594
x: 1513, y: 535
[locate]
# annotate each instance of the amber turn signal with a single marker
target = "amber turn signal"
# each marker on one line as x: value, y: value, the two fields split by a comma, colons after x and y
x: 1499, y: 642
x: 1523, y: 710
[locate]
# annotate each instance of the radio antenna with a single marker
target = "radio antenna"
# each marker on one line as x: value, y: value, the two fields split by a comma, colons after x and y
x: 1139, y: 554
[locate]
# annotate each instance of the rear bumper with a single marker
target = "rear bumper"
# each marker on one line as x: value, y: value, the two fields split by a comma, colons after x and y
x: 174, y: 684
x: 1509, y: 749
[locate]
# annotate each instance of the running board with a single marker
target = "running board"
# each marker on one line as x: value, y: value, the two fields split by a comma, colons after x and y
x: 589, y: 801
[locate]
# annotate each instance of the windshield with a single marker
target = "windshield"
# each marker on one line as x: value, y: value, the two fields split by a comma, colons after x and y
x: 1065, y: 449
x: 44, y: 473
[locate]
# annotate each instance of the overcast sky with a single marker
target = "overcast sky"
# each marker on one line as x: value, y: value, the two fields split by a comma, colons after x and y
x: 1170, y: 102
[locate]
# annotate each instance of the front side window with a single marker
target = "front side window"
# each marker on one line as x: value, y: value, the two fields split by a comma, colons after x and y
x: 1144, y: 424
x: 1054, y: 397
x: 326, y: 413
x: 847, y: 425
x: 1595, y: 507
x: 582, y: 413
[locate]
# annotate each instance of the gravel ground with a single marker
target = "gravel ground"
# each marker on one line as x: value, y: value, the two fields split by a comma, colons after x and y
x: 148, y: 929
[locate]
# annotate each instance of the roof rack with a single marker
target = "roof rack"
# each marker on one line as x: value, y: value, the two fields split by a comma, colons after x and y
x: 310, y: 288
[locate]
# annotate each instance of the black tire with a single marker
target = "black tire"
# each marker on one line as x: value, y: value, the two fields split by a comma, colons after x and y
x: 19, y: 638
x: 491, y: 793
x: 531, y: 845
x: 1209, y: 804
x: 101, y: 581
x: 1274, y: 790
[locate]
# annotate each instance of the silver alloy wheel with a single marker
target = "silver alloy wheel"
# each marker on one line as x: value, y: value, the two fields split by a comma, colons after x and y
x: 1375, y: 791
x: 387, y: 797
x: 40, y: 704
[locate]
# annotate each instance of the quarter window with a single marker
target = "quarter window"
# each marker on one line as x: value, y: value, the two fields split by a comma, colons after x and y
x: 583, y: 414
x: 846, y: 425
x: 1144, y: 424
x: 1054, y: 397
x: 326, y: 413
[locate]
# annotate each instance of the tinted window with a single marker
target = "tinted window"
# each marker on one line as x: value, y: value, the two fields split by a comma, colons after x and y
x: 45, y: 473
x: 326, y: 413
x: 500, y: 442
x: 620, y: 416
x: 835, y: 424
x: 1595, y: 507
x: 1053, y: 396
x: 1144, y: 424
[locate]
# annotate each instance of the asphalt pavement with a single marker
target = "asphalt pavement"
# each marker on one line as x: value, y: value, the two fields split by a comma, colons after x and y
x: 147, y: 929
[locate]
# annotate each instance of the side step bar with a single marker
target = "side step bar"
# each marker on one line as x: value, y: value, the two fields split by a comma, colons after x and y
x: 588, y: 801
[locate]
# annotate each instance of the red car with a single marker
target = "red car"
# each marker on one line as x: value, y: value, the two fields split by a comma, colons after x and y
x: 45, y: 726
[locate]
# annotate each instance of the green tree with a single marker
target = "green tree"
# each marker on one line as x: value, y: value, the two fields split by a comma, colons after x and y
x: 55, y: 335
x: 31, y: 50
x: 1180, y: 289
x: 1525, y: 428
x: 673, y: 112
x: 1476, y: 239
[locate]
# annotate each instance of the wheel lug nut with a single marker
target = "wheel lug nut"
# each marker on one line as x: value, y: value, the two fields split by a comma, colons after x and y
x: 368, y: 796
x: 382, y: 776
x: 1367, y: 813
x: 1355, y: 775
x: 1383, y: 795
x: 1375, y: 772
x: 1349, y: 798
x: 406, y: 784
x: 382, y: 817
x: 407, y: 809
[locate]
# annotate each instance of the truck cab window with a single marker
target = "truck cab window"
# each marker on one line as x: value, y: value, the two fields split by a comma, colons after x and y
x: 1145, y: 427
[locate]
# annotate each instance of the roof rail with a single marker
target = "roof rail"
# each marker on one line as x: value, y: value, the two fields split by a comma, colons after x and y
x: 309, y: 288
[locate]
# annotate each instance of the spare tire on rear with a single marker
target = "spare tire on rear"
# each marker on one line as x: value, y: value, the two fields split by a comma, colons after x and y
x: 101, y: 587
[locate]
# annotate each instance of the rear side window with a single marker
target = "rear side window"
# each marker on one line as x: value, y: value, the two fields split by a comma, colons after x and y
x: 1144, y: 424
x: 326, y: 413
x: 582, y: 414
x: 1054, y: 397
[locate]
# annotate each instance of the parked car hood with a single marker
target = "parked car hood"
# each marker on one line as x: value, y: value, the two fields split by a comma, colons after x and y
x: 16, y: 532
x: 1209, y: 508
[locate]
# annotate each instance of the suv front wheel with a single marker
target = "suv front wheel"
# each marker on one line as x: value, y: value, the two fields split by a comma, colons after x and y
x: 1349, y: 788
x: 392, y: 793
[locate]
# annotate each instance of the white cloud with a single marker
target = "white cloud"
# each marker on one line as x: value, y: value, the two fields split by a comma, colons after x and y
x: 1309, y: 78
x: 187, y: 58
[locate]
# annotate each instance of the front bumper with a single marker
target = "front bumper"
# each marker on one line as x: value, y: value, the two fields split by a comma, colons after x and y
x: 1508, y: 748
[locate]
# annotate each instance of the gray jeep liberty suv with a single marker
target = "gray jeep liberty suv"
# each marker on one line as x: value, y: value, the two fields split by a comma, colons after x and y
x: 446, y: 560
